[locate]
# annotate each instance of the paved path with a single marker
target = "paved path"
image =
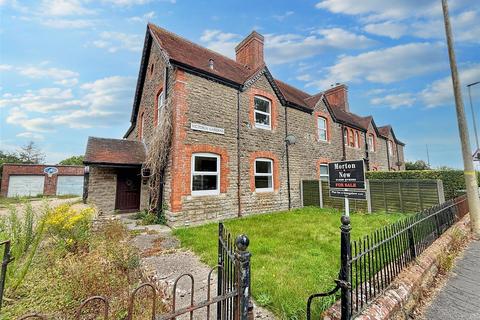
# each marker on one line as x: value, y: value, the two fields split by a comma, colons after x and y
x: 460, y: 298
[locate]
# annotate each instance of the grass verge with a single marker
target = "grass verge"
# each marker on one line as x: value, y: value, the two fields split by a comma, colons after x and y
x: 294, y: 254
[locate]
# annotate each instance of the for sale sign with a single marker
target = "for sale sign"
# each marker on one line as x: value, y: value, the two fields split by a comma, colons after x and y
x: 350, y: 194
x: 346, y: 174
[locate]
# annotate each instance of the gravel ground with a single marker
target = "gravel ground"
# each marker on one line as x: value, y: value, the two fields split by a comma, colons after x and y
x: 38, y: 204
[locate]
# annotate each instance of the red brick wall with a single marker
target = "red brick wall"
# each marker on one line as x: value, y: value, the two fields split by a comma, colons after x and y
x: 50, y: 185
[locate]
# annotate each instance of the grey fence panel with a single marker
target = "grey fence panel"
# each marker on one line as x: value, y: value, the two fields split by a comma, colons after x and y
x: 311, y: 193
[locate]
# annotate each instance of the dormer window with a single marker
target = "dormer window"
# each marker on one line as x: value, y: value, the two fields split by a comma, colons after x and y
x: 263, y: 113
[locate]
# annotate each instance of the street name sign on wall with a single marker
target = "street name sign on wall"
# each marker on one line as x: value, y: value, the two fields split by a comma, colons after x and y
x: 205, y: 128
x: 349, y: 194
x: 346, y: 174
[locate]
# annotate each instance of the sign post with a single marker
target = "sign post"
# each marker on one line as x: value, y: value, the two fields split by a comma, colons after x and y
x: 347, y: 180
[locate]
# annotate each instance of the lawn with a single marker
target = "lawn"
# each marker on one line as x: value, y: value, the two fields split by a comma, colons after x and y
x: 294, y: 254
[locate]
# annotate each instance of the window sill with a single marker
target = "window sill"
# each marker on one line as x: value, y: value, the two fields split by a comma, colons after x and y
x: 262, y: 127
x: 268, y: 191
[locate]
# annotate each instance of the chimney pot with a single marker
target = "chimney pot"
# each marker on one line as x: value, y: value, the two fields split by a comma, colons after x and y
x: 337, y: 96
x: 249, y: 52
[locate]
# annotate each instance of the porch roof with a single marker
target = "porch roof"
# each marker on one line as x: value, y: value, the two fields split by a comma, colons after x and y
x: 104, y: 151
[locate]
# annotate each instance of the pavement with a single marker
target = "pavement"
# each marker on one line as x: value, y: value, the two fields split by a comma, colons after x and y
x: 459, y: 299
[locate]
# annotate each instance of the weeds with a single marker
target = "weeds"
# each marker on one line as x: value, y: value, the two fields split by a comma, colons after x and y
x: 446, y: 260
x: 147, y: 218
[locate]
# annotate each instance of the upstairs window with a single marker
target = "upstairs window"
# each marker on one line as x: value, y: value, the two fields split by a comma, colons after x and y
x: 324, y: 172
x: 390, y: 148
x: 142, y: 126
x: 357, y: 140
x: 351, y: 140
x: 263, y: 175
x: 345, y: 137
x: 205, y: 174
x: 322, y: 129
x: 263, y: 113
x: 160, y: 105
x: 371, y: 143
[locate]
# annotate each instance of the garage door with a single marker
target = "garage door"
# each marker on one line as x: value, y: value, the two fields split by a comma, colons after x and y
x: 23, y: 186
x: 70, y: 185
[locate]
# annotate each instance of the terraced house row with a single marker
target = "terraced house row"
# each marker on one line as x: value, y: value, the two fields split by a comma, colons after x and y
x: 239, y: 141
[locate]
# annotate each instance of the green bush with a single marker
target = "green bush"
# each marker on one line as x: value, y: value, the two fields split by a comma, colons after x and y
x: 453, y: 180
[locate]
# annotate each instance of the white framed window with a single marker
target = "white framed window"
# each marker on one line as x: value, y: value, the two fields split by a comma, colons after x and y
x: 142, y: 126
x: 357, y: 140
x: 263, y: 175
x: 205, y: 174
x: 322, y: 129
x: 345, y: 136
x: 263, y: 113
x: 351, y: 139
x: 324, y: 172
x: 160, y: 105
x: 390, y: 148
x: 371, y: 143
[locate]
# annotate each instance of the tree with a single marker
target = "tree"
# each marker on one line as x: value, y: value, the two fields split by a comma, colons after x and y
x: 30, y: 153
x: 417, y: 165
x: 9, y: 157
x: 73, y: 161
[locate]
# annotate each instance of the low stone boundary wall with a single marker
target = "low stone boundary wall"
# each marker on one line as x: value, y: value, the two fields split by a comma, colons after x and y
x: 401, y: 297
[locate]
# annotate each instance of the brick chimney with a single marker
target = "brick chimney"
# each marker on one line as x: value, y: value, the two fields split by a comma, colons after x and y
x: 338, y: 96
x: 249, y: 52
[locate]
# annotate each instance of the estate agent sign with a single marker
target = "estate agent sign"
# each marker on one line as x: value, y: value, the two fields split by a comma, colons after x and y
x: 349, y: 194
x: 346, y: 174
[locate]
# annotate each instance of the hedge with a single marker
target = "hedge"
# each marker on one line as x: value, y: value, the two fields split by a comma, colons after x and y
x: 453, y: 180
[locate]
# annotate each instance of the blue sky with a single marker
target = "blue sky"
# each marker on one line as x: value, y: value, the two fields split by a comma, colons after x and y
x: 68, y: 67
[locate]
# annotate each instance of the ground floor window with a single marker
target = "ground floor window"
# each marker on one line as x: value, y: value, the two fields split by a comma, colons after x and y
x: 205, y: 174
x: 263, y: 175
x: 324, y: 172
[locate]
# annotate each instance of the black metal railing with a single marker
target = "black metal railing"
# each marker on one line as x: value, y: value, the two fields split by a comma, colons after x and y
x: 231, y: 302
x: 371, y: 263
x: 6, y: 259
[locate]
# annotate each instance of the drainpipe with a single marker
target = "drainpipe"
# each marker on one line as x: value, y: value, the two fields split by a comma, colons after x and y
x: 367, y: 159
x: 344, y: 157
x: 239, y: 193
x: 388, y: 156
x: 288, y: 162
x: 162, y: 172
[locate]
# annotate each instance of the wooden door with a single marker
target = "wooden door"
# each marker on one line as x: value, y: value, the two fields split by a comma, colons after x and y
x: 128, y: 190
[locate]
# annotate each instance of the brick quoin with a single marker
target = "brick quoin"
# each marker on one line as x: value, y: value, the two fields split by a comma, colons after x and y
x: 178, y: 185
x: 273, y: 106
x: 50, y: 184
x: 276, y: 168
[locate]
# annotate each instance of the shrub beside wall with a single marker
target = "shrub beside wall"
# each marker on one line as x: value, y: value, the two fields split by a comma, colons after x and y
x: 453, y: 180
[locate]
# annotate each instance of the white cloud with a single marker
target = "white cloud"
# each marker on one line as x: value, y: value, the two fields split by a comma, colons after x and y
x: 285, y: 48
x: 53, y: 73
x: 64, y: 8
x: 281, y: 17
x: 390, y: 29
x: 30, y: 135
x: 464, y: 24
x: 5, y: 67
x: 221, y: 42
x: 144, y: 18
x: 99, y: 103
x: 386, y: 65
x: 129, y: 3
x: 68, y: 23
x: 394, y: 101
x: 440, y: 92
x: 114, y: 41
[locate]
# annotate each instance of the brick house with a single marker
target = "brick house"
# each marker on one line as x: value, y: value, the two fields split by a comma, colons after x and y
x: 228, y: 154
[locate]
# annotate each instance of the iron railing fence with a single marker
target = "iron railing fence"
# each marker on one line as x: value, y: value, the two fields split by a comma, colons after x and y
x: 368, y: 265
x: 231, y: 302
x: 6, y: 259
x: 376, y: 259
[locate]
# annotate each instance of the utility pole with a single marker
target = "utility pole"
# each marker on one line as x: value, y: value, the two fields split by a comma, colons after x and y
x: 473, y: 111
x: 469, y: 172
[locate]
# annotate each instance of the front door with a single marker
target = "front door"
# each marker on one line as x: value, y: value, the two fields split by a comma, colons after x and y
x: 128, y: 190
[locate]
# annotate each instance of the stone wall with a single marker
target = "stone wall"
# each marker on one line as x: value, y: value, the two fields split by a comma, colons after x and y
x: 102, y: 188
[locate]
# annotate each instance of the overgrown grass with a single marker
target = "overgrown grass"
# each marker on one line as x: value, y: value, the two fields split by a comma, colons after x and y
x: 294, y: 254
x: 69, y: 267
